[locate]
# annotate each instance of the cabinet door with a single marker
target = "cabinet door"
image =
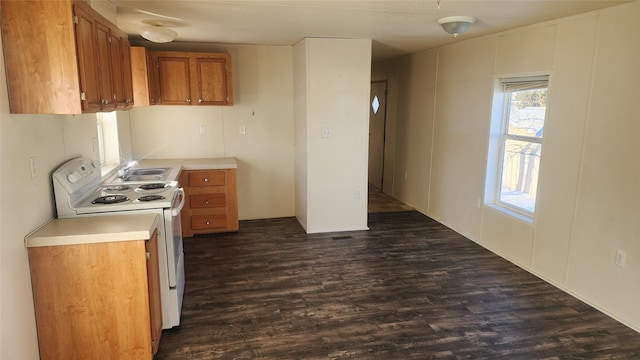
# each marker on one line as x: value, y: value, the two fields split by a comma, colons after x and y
x: 121, y: 70
x: 154, y: 81
x: 104, y: 66
x: 41, y: 66
x: 91, y: 300
x: 173, y: 79
x: 153, y: 278
x: 140, y: 72
x: 86, y: 40
x: 117, y: 70
x: 126, y: 71
x: 210, y: 81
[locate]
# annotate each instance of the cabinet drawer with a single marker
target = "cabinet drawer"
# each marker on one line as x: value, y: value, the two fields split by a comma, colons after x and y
x: 207, y: 178
x: 208, y: 200
x: 203, y: 222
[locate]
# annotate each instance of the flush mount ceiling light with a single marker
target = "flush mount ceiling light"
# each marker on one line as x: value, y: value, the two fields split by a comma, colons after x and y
x: 157, y: 32
x: 456, y: 25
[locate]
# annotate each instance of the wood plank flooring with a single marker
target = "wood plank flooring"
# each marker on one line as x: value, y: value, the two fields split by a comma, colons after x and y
x: 409, y: 288
x: 378, y: 201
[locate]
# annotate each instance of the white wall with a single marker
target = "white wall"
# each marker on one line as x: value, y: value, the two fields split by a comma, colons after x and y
x: 263, y: 103
x: 588, y: 193
x: 335, y: 79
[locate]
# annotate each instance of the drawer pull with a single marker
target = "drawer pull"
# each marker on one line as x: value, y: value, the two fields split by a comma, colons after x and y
x: 208, y: 222
x: 206, y: 179
x: 206, y: 202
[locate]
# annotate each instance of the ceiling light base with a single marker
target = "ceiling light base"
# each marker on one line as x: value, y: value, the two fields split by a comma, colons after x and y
x: 158, y: 34
x: 456, y: 25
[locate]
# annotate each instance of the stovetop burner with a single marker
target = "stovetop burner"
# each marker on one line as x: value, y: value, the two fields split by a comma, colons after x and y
x: 151, y: 198
x: 114, y: 188
x: 110, y: 199
x: 153, y: 186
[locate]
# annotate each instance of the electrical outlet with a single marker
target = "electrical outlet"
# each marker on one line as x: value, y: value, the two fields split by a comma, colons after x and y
x: 478, y: 203
x: 243, y: 130
x: 326, y: 133
x: 203, y: 129
x: 621, y: 257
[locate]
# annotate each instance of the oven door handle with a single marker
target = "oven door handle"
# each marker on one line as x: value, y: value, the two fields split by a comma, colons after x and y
x: 176, y: 211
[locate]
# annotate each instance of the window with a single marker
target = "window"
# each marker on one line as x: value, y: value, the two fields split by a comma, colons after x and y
x: 108, y: 144
x: 521, y: 123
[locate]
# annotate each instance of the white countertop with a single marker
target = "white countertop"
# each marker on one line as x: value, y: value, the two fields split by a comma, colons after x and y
x: 94, y: 229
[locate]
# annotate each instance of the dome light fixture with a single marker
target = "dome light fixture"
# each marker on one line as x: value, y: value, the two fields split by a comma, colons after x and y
x: 158, y: 31
x: 456, y: 25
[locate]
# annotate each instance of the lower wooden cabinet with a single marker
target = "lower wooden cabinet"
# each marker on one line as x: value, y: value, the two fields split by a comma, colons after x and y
x: 98, y: 300
x: 211, y: 203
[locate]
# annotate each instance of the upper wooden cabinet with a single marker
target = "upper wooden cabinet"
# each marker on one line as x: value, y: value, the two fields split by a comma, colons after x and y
x: 189, y: 78
x: 140, y: 76
x: 80, y: 64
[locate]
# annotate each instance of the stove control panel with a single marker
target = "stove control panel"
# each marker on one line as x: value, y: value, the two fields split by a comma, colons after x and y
x: 81, y: 171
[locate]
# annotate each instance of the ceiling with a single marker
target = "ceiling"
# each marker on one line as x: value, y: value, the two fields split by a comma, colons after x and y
x: 397, y: 27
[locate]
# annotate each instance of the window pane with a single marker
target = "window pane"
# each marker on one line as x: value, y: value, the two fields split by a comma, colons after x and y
x: 375, y: 105
x: 527, y: 112
x: 520, y: 167
x: 108, y: 143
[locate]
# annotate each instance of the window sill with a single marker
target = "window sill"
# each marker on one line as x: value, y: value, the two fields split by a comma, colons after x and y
x: 514, y: 214
x: 108, y: 170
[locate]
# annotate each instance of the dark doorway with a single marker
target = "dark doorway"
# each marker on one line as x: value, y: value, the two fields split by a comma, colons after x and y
x: 377, y: 122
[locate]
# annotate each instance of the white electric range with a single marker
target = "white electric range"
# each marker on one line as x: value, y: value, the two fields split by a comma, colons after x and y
x: 79, y: 192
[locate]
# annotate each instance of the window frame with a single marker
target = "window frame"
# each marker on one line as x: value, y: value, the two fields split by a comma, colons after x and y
x: 499, y: 137
x: 108, y: 141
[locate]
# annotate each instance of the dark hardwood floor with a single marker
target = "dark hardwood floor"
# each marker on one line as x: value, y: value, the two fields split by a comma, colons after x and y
x: 377, y: 201
x: 409, y: 288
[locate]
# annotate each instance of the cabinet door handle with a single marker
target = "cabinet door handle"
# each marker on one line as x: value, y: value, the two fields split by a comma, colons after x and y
x: 206, y: 179
x: 148, y: 255
x: 188, y: 101
x: 206, y: 202
x: 200, y: 100
x: 208, y: 222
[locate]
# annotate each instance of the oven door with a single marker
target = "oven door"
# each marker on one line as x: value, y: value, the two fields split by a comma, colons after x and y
x: 173, y: 230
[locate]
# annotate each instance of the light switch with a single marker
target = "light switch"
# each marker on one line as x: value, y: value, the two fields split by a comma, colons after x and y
x: 243, y: 130
x: 32, y: 167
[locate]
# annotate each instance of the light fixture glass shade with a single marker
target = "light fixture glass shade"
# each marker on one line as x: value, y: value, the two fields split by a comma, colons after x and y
x: 456, y: 25
x: 158, y: 34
